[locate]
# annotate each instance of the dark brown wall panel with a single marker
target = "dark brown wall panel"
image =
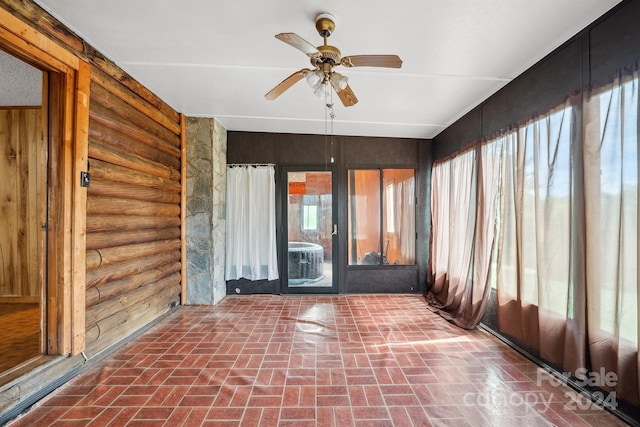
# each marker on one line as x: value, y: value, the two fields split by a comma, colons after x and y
x: 607, y: 45
x: 387, y: 152
x: 251, y: 147
x: 348, y: 152
x: 615, y: 41
x: 545, y: 84
x: 463, y: 132
x: 303, y: 149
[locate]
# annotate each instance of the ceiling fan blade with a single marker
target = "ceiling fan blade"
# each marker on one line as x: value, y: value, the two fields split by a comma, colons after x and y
x: 386, y: 61
x: 346, y: 95
x: 286, y: 84
x: 299, y: 43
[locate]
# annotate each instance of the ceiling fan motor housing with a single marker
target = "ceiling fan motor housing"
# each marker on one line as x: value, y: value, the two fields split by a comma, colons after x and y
x: 325, y: 24
x: 330, y: 54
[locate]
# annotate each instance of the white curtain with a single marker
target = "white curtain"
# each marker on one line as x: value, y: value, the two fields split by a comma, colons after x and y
x: 251, y: 223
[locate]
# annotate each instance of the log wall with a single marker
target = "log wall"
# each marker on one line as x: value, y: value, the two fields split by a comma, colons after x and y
x: 134, y: 212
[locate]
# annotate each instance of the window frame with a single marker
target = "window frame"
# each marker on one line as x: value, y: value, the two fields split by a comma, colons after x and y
x: 382, y: 216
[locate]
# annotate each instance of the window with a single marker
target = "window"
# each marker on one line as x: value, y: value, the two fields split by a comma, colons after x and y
x: 309, y: 212
x: 381, y: 217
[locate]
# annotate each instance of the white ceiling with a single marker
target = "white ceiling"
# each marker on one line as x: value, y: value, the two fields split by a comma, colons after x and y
x: 218, y: 58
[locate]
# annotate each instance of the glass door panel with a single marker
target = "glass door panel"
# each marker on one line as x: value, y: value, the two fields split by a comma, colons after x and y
x: 310, y: 231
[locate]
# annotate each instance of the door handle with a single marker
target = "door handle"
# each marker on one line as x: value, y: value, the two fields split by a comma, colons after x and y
x: 335, y: 230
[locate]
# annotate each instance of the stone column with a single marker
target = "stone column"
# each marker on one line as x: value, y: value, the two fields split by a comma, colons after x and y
x: 206, y: 186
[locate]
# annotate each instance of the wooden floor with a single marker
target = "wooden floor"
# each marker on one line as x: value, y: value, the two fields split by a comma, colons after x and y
x: 19, y: 334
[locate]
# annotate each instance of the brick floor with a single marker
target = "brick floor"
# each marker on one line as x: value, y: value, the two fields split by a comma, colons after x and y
x: 356, y: 360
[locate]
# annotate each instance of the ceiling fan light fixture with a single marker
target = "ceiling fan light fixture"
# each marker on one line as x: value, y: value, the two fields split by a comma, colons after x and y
x: 314, y: 78
x: 339, y: 81
x: 320, y: 90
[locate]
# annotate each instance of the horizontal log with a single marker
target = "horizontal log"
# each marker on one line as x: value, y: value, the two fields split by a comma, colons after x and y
x: 103, y: 67
x: 107, y: 256
x: 158, y: 111
x: 106, y: 188
x: 109, y: 239
x: 105, y: 117
x: 123, y: 323
x: 93, y: 260
x: 26, y: 42
x: 120, y: 174
x: 109, y: 307
x: 108, y: 68
x: 119, y: 287
x: 119, y: 270
x: 108, y: 154
x: 101, y: 341
x: 113, y: 206
x: 98, y: 132
x: 99, y: 335
x: 102, y: 223
x: 115, y: 104
x: 45, y: 23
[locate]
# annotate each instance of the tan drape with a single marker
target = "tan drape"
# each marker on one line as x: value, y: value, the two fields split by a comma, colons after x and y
x: 611, y: 189
x: 562, y: 191
x: 536, y: 258
x: 405, y: 219
x: 464, y: 193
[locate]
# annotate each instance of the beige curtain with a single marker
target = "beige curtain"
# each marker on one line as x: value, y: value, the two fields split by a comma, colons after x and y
x: 464, y: 194
x: 537, y: 258
x: 611, y: 188
x: 405, y: 219
x: 562, y: 191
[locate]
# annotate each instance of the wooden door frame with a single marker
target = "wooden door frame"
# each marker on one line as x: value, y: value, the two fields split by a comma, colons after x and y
x: 67, y: 138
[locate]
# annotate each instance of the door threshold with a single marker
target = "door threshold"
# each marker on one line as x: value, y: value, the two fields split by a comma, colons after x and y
x: 24, y: 368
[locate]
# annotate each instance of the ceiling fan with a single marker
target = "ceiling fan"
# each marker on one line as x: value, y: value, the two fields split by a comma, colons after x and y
x: 323, y: 59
